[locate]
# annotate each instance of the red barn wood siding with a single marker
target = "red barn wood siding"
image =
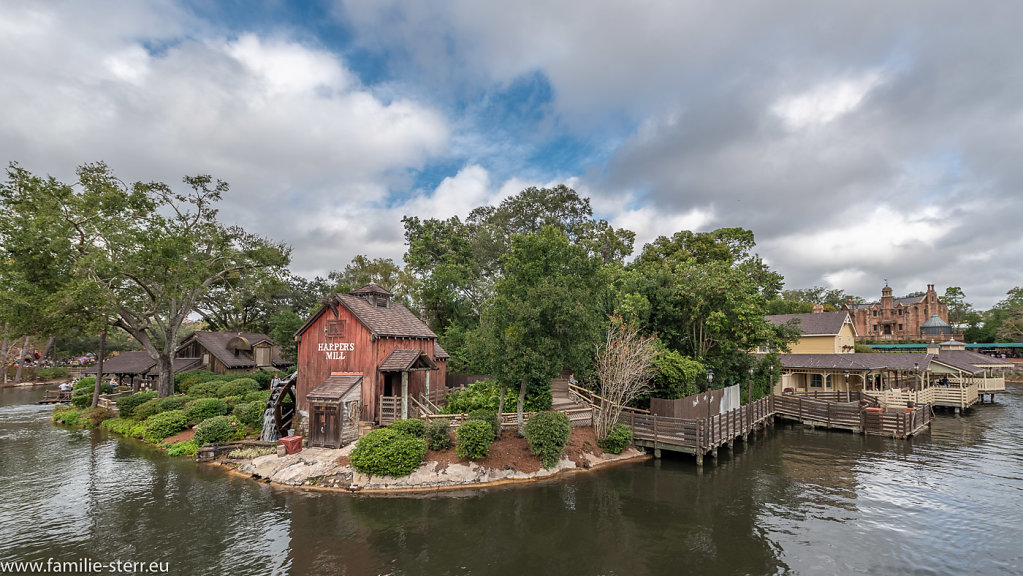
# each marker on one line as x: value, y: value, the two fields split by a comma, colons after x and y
x: 314, y: 367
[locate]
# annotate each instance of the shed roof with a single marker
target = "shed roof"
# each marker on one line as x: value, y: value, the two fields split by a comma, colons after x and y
x: 335, y: 387
x: 134, y: 362
x: 440, y: 353
x: 404, y: 360
x: 819, y: 324
x: 855, y: 362
x: 217, y: 345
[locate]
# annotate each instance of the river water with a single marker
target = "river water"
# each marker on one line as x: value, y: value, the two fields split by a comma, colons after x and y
x: 793, y: 501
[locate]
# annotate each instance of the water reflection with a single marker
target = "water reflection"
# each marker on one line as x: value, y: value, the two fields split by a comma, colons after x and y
x: 792, y: 501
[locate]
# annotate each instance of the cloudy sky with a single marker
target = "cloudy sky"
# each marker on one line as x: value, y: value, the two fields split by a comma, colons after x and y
x: 860, y: 141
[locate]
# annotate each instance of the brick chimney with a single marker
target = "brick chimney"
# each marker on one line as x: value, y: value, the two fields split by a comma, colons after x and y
x: 817, y: 308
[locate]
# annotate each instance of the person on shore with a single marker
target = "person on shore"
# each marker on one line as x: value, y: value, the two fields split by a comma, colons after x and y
x: 275, y: 382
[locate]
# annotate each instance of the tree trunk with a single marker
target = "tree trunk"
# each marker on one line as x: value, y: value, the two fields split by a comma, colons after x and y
x: 165, y: 381
x: 49, y: 345
x: 3, y: 355
x: 21, y: 362
x: 518, y: 411
x: 500, y: 403
x: 99, y: 368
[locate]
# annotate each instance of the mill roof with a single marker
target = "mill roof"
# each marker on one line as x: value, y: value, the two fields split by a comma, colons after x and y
x: 335, y: 387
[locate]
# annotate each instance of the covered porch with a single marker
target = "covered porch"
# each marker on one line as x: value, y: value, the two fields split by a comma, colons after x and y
x: 398, y: 397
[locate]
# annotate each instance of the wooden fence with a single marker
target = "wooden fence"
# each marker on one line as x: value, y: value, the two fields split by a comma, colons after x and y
x: 898, y: 423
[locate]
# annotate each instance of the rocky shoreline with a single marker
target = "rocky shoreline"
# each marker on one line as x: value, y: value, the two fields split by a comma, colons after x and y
x: 322, y: 468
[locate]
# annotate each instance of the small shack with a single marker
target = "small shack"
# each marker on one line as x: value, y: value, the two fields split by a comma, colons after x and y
x: 228, y: 352
x: 334, y: 410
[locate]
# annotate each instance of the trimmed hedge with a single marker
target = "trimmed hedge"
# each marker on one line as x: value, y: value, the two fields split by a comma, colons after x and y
x: 488, y: 416
x: 239, y: 387
x: 438, y: 437
x: 185, y: 448
x: 127, y: 404
x: 547, y: 434
x: 617, y: 439
x: 87, y: 385
x: 387, y: 452
x: 81, y: 401
x: 262, y: 396
x: 119, y: 425
x: 216, y: 429
x: 205, y: 389
x: 147, y: 409
x: 65, y: 415
x: 205, y: 408
x: 474, y: 439
x: 173, y: 403
x: 250, y: 414
x: 413, y: 427
x: 163, y: 425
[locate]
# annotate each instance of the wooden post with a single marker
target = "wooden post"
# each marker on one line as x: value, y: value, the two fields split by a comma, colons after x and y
x: 404, y: 395
x: 428, y: 386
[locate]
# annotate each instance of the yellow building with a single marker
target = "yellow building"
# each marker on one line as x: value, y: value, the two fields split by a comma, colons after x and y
x: 822, y: 332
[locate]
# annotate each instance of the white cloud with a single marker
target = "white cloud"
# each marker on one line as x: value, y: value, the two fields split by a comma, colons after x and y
x: 826, y: 101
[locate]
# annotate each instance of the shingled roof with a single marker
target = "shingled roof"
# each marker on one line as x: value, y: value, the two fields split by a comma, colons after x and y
x: 134, y: 362
x: 404, y: 360
x: 217, y: 345
x: 335, y: 387
x: 819, y: 324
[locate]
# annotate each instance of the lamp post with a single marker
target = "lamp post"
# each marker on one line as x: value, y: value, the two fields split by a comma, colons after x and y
x: 710, y: 380
x: 749, y: 398
x: 916, y: 374
x: 846, y: 385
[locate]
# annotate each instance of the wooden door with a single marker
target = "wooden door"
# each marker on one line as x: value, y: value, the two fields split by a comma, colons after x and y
x: 325, y: 427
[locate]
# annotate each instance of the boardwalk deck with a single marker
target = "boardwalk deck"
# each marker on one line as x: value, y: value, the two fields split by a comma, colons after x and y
x: 895, y: 422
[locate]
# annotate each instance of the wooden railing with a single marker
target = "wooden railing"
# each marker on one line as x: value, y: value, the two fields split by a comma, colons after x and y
x: 576, y: 416
x: 591, y: 398
x: 897, y: 422
x: 702, y: 435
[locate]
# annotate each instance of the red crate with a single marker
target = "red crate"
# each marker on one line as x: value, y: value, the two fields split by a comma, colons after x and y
x: 291, y: 444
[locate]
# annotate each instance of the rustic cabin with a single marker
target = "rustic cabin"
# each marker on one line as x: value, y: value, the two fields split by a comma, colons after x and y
x: 226, y: 352
x: 364, y: 341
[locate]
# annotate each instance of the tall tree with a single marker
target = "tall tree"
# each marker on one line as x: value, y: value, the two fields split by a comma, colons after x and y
x: 1011, y: 327
x: 546, y: 315
x: 144, y: 254
x: 958, y: 308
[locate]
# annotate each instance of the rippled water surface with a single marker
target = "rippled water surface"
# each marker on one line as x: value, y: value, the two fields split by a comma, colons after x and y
x: 792, y: 501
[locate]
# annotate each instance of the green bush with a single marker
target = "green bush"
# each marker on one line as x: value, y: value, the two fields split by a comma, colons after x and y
x: 146, y: 409
x: 205, y: 408
x: 261, y: 396
x: 480, y: 395
x: 474, y: 439
x: 65, y: 415
x: 216, y: 429
x: 262, y: 377
x: 438, y: 436
x: 118, y: 425
x: 617, y: 439
x: 81, y: 401
x: 87, y: 385
x: 413, y: 427
x: 185, y: 380
x: 250, y: 414
x: 239, y: 387
x: 126, y: 405
x: 387, y: 452
x: 547, y: 434
x: 185, y: 448
x: 488, y: 416
x: 173, y: 403
x: 137, y: 430
x: 205, y: 389
x: 164, y: 424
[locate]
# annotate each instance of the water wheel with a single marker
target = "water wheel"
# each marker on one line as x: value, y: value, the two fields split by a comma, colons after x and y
x: 284, y: 406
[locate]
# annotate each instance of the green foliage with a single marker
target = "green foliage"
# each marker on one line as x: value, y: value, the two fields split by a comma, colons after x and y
x: 413, y: 427
x: 250, y: 453
x: 387, y: 452
x: 863, y: 349
x: 137, y: 430
x: 184, y: 448
x: 488, y: 416
x: 617, y: 439
x: 88, y: 384
x: 262, y: 378
x: 119, y: 425
x: 675, y: 375
x: 480, y: 395
x: 250, y: 414
x: 261, y: 396
x: 438, y: 434
x: 163, y: 425
x: 126, y: 404
x: 172, y: 403
x: 66, y: 415
x: 547, y: 434
x: 239, y: 387
x: 474, y: 439
x: 185, y: 380
x: 147, y: 409
x: 215, y: 429
x: 81, y: 401
x: 205, y: 389
x: 205, y: 408
x: 51, y: 373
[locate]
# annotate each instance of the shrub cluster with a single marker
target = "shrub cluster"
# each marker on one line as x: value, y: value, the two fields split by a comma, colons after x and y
x: 412, y: 427
x: 216, y: 429
x: 185, y: 448
x: 65, y: 415
x: 87, y: 385
x: 81, y: 401
x: 547, y: 434
x: 388, y: 452
x: 474, y: 439
x: 617, y: 439
x: 205, y: 389
x: 261, y: 396
x: 438, y: 437
x: 250, y: 414
x: 119, y: 425
x: 126, y: 405
x: 205, y: 408
x: 488, y: 416
x: 239, y: 387
x: 51, y: 373
x: 147, y: 409
x: 173, y: 403
x: 163, y: 425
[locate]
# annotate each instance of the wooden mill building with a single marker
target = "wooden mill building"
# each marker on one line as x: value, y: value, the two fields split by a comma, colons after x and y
x: 363, y: 345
